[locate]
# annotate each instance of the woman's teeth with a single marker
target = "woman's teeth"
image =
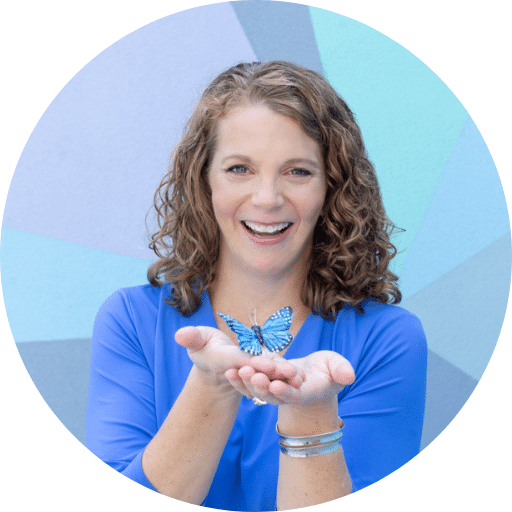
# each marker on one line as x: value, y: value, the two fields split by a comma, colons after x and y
x: 266, y: 229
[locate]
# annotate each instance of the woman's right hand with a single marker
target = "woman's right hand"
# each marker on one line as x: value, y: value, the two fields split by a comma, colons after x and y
x: 213, y: 353
x: 325, y: 373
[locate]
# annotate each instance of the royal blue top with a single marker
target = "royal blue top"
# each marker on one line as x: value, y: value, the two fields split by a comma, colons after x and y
x: 138, y: 370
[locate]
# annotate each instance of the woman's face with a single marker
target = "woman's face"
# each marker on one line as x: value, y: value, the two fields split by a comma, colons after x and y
x: 268, y: 188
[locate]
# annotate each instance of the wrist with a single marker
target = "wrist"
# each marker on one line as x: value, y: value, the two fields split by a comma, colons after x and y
x: 313, y: 419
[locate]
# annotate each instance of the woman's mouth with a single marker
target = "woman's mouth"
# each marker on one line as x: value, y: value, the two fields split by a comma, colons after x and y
x: 266, y: 230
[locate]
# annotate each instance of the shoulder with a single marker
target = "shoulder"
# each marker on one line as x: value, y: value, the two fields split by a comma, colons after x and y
x: 382, y: 332
x: 135, y: 321
x: 377, y: 317
x: 125, y: 300
x: 136, y: 308
x: 145, y: 309
x: 142, y: 294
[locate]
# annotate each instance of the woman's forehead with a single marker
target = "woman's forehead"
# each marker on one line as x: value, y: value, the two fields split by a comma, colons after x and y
x: 257, y: 128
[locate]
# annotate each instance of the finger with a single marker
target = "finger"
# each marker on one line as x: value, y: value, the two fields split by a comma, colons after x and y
x: 295, y: 382
x: 278, y: 368
x: 190, y: 337
x: 232, y: 374
x: 341, y: 370
x: 260, y: 380
x: 258, y: 387
x: 263, y: 364
x: 195, y: 338
x: 283, y: 392
x: 287, y: 370
x: 246, y: 372
x: 248, y: 382
x: 292, y: 377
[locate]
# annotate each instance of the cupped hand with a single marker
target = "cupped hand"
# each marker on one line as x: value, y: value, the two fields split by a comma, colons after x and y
x: 324, y: 374
x: 213, y: 353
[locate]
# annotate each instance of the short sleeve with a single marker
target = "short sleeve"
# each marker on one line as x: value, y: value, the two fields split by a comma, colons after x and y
x: 121, y: 417
x: 383, y: 409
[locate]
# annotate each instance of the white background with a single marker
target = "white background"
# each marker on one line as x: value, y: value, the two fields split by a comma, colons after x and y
x: 44, y: 44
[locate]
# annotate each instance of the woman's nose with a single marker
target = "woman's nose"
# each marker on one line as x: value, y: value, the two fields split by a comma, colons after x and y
x: 267, y: 194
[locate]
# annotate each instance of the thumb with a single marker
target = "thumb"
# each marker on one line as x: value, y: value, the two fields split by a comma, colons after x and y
x: 191, y: 338
x: 340, y: 369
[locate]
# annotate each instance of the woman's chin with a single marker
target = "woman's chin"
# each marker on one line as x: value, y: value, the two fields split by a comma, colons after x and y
x: 272, y: 270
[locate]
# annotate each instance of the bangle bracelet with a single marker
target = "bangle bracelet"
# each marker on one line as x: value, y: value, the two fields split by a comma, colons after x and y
x: 310, y: 446
x: 310, y: 440
x: 311, y: 451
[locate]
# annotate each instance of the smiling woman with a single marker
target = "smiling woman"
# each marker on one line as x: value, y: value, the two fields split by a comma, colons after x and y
x: 351, y: 242
x: 270, y: 204
x: 265, y: 205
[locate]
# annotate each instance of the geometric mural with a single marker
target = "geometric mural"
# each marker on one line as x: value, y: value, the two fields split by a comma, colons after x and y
x: 74, y: 231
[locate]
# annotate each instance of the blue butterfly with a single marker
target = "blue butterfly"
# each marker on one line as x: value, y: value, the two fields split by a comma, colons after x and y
x: 273, y: 335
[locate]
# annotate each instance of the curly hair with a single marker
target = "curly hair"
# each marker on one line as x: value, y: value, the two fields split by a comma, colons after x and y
x: 351, y: 241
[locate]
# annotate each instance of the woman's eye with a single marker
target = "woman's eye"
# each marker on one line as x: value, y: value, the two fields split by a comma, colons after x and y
x: 300, y: 172
x: 238, y: 169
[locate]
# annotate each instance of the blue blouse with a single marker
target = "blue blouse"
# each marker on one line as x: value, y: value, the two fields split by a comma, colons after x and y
x: 137, y: 371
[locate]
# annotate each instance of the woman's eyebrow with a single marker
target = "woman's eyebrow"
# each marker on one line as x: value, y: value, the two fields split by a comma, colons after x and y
x: 313, y: 163
x: 237, y: 157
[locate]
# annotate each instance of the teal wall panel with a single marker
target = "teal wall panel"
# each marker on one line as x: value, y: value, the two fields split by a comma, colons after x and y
x: 53, y: 289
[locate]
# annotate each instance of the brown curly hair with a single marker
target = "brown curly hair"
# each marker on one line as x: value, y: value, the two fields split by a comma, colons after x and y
x: 351, y: 241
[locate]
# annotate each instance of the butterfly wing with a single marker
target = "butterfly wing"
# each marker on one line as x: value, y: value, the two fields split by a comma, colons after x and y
x: 277, y: 341
x: 247, y: 339
x: 275, y: 330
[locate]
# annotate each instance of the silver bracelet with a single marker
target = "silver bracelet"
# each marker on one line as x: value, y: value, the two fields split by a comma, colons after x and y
x: 311, y: 451
x: 310, y: 446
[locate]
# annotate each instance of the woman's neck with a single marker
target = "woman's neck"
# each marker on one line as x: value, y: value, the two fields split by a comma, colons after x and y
x: 245, y: 296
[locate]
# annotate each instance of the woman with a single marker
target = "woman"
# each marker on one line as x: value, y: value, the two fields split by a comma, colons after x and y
x: 270, y: 202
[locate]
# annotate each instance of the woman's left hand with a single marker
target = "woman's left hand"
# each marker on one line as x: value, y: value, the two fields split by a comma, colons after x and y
x: 325, y: 374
